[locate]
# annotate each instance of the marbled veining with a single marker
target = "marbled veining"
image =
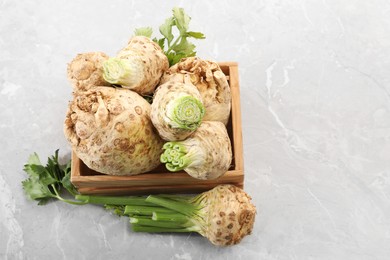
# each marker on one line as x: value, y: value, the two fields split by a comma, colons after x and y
x: 315, y: 100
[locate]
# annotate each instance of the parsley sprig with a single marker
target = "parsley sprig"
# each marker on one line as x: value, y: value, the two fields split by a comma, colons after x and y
x: 48, y: 182
x: 174, y: 42
x: 52, y: 182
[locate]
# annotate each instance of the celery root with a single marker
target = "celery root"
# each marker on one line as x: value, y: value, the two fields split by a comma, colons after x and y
x: 85, y: 71
x: 177, y: 110
x: 139, y: 66
x: 211, y: 82
x: 206, y: 154
x: 224, y: 214
x: 110, y: 131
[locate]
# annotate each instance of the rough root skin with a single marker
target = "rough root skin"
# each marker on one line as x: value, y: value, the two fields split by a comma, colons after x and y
x: 205, y: 155
x: 230, y: 213
x: 149, y: 63
x: 85, y: 71
x: 211, y: 82
x: 110, y: 131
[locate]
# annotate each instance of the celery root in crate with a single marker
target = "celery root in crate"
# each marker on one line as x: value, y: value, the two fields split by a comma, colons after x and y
x: 85, y: 71
x: 110, y: 131
x: 139, y: 66
x: 211, y: 82
x: 205, y: 155
x: 177, y: 110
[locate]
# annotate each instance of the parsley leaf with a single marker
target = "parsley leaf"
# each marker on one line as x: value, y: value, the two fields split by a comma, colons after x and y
x: 166, y: 29
x: 182, y: 20
x: 47, y: 182
x: 175, y: 34
x: 196, y: 35
x: 144, y: 31
x: 184, y: 47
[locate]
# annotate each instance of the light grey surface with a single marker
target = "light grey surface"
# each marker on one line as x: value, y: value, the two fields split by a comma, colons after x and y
x: 315, y: 100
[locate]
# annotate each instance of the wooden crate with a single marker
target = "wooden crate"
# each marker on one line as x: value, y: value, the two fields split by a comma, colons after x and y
x: 160, y: 180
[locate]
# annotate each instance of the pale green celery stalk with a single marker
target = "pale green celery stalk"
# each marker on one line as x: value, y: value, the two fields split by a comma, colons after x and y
x: 117, y: 71
x: 144, y: 221
x: 177, y: 197
x: 185, y: 112
x: 173, y: 217
x: 113, y: 200
x: 145, y: 210
x: 149, y: 229
x: 184, y: 216
x: 181, y: 154
x: 185, y: 208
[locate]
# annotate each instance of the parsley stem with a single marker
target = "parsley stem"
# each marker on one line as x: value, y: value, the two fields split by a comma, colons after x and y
x: 55, y: 191
x: 173, y: 44
x: 72, y: 201
x: 58, y: 196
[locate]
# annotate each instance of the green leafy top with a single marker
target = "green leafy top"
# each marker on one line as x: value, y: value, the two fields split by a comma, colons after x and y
x: 52, y: 182
x: 48, y: 182
x: 144, y: 31
x: 174, y: 48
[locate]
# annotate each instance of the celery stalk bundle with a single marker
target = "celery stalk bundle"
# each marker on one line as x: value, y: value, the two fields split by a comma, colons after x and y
x: 224, y: 215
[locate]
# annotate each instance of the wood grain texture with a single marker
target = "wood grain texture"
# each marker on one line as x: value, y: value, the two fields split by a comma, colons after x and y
x: 160, y: 180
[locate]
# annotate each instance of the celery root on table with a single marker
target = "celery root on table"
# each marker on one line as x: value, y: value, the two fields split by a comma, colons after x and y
x: 206, y: 154
x: 224, y: 214
x: 177, y: 110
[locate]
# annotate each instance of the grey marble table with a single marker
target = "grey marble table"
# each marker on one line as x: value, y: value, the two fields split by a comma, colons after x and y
x: 315, y: 100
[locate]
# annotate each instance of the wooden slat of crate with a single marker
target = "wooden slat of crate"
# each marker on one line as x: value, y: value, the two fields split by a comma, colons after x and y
x: 160, y: 180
